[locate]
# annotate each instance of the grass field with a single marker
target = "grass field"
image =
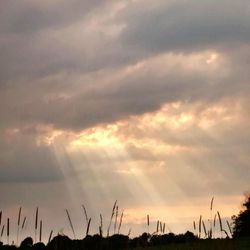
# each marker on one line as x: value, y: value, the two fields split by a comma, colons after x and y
x: 202, y: 239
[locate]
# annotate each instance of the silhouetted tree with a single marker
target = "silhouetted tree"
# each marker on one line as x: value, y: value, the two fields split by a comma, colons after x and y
x: 241, y: 223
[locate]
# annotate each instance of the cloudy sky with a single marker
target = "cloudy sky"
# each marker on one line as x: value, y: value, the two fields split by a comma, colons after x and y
x: 142, y: 101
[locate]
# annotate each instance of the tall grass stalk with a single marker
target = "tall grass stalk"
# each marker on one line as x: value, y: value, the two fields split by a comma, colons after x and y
x: 120, y: 223
x: 50, y: 236
x: 211, y: 214
x: 101, y: 225
x: 211, y: 204
x: 200, y: 226
x: 40, y: 231
x: 116, y: 217
x: 230, y: 229
x: 148, y: 223
x: 18, y: 223
x: 204, y: 228
x: 0, y: 224
x: 164, y: 227
x: 100, y: 231
x: 70, y: 223
x: 111, y: 218
x: 36, y: 223
x: 2, y: 231
x: 221, y: 229
x: 8, y: 230
x: 23, y: 223
x: 85, y: 214
x: 215, y: 219
x: 161, y: 228
x: 24, y: 220
x: 157, y: 227
x: 194, y: 225
x: 87, y: 231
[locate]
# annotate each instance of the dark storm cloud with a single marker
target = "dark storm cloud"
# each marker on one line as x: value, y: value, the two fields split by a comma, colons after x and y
x: 131, y: 95
x: 188, y: 26
x: 28, y: 46
x: 22, y: 160
x: 30, y: 61
x: 24, y: 17
x: 27, y: 59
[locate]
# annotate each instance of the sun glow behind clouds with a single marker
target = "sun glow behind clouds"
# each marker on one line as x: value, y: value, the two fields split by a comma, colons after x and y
x: 106, y: 142
x: 155, y: 159
x: 153, y: 163
x: 143, y: 132
x: 151, y: 159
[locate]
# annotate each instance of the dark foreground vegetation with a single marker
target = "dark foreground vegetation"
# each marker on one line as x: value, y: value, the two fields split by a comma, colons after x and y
x: 145, y: 241
x: 237, y: 236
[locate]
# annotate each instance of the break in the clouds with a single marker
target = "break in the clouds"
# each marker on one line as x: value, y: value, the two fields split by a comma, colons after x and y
x: 102, y: 98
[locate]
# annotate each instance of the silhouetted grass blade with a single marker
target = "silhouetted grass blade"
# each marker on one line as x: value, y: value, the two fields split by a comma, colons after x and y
x: 70, y: 222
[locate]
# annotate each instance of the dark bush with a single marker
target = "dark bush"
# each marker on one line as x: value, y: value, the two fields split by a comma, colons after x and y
x: 27, y: 243
x: 39, y: 246
x: 60, y: 242
x: 241, y: 223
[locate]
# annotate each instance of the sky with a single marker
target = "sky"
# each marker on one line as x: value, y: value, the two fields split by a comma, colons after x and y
x: 140, y: 101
